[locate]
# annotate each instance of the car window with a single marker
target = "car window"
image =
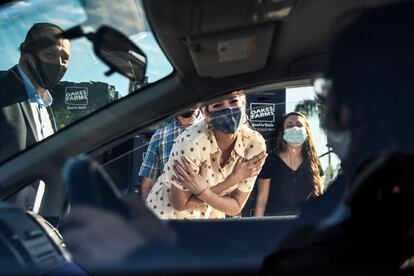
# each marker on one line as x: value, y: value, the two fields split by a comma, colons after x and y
x: 76, y: 91
x: 145, y: 156
x: 267, y: 107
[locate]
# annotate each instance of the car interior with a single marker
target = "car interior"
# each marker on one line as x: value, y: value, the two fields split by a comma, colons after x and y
x: 267, y: 48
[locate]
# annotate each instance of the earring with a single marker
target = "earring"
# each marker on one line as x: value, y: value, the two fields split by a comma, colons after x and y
x: 246, y: 119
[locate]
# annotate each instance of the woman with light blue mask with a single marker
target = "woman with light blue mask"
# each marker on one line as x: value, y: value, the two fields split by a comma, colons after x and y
x: 212, y: 167
x: 292, y: 172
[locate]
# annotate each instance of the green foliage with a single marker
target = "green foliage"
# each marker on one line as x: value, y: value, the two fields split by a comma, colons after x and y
x: 313, y: 108
x: 65, y: 115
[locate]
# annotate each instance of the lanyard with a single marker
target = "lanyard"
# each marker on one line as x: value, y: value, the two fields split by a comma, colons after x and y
x: 39, y: 108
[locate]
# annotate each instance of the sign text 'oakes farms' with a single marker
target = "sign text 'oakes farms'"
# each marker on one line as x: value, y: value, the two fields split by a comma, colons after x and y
x: 262, y: 112
x: 76, y: 96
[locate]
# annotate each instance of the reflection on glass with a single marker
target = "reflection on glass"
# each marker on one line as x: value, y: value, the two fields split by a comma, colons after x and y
x: 84, y: 87
x: 120, y: 54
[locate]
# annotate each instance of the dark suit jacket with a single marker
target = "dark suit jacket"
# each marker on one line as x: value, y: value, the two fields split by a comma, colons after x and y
x: 17, y: 125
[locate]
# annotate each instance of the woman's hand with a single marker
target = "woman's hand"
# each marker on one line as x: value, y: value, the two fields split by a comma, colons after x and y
x: 249, y: 168
x: 195, y: 182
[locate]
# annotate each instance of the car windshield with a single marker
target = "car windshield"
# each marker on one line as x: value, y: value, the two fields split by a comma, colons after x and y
x: 29, y: 114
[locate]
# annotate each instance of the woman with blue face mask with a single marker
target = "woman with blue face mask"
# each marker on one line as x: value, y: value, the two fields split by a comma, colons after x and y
x: 212, y: 167
x: 292, y: 173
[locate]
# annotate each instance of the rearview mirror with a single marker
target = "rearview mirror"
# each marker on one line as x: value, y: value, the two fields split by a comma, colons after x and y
x: 116, y: 50
x: 121, y: 54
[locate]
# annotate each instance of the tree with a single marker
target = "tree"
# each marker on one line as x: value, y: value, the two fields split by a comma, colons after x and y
x: 313, y: 108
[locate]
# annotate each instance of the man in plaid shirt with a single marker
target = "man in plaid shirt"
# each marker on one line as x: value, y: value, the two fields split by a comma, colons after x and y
x: 159, y: 149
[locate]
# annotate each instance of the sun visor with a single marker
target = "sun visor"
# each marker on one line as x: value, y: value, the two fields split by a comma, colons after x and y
x: 231, y: 52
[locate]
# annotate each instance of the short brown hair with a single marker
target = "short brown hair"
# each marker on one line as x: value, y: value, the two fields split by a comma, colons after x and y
x: 40, y: 36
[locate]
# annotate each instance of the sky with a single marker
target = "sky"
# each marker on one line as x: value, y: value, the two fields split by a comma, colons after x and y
x: 84, y: 66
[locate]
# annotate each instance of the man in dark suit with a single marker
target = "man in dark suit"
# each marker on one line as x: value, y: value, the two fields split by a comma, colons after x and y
x: 25, y: 116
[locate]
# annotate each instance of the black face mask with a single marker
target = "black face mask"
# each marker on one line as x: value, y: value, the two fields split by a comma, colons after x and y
x: 226, y: 120
x: 188, y: 114
x: 46, y: 74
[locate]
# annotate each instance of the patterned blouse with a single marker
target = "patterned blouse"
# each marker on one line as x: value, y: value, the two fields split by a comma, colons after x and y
x: 197, y: 144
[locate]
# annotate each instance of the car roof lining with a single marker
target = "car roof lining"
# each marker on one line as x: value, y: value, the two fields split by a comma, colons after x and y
x: 302, y: 34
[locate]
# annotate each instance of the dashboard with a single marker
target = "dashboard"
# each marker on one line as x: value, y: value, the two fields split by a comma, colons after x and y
x: 28, y: 243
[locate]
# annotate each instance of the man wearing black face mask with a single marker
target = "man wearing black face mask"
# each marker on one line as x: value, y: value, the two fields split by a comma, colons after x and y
x: 160, y: 146
x: 25, y: 116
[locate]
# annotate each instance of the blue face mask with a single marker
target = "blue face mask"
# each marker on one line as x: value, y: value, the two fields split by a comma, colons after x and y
x: 226, y: 120
x: 295, y: 136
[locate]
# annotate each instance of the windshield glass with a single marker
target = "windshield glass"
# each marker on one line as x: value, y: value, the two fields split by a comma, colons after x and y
x: 40, y: 97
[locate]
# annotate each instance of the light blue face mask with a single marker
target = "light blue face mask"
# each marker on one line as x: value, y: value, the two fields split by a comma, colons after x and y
x: 295, y: 136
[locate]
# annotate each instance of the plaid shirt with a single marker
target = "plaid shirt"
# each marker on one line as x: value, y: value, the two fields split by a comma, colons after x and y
x: 159, y: 149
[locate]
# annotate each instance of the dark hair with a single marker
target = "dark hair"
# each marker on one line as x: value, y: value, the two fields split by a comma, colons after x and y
x: 371, y: 58
x: 370, y: 67
x: 309, y: 154
x: 40, y: 36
